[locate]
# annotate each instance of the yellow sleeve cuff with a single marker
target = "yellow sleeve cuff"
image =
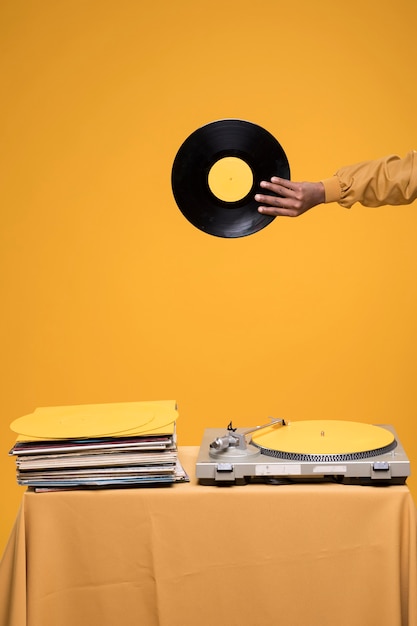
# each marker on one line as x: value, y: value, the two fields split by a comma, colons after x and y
x: 332, y: 189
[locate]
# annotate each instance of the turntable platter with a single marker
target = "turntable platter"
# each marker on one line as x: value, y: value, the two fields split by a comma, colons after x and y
x: 327, y: 439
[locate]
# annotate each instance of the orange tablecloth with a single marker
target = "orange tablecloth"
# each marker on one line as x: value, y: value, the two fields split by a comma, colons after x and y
x: 191, y: 555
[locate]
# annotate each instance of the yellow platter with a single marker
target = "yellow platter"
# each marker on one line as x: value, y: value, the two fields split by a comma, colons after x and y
x: 320, y: 437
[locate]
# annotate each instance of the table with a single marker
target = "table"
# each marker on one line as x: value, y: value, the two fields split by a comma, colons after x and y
x: 192, y: 555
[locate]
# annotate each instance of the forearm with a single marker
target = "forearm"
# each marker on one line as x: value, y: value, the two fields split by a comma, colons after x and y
x: 390, y: 180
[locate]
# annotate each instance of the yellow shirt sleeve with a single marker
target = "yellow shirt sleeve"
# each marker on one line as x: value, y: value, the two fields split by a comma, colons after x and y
x: 389, y: 180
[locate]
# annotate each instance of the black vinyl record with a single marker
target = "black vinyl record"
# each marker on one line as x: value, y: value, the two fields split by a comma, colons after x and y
x: 254, y: 153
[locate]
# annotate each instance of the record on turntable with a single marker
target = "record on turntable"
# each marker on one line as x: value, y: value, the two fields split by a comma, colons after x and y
x: 303, y: 451
x: 217, y: 171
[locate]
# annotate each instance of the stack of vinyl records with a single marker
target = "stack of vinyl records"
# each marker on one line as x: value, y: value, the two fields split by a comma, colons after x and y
x: 98, y: 446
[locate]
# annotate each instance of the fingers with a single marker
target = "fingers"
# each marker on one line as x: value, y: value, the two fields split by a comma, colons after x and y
x: 289, y: 199
x: 271, y: 205
x: 280, y: 186
x: 281, y: 204
x: 277, y: 204
x: 277, y: 211
x: 270, y: 200
x: 282, y: 182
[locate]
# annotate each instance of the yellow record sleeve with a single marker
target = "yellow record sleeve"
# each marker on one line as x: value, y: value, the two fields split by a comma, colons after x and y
x: 97, y: 420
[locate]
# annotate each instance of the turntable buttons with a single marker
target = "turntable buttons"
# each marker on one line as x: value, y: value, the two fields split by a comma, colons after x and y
x: 380, y: 466
x: 224, y: 472
x: 224, y: 467
x: 381, y: 470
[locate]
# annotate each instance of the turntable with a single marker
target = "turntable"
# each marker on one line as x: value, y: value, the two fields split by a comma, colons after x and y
x: 282, y: 452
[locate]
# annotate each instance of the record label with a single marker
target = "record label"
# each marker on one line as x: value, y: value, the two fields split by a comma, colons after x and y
x: 217, y: 172
x: 230, y: 179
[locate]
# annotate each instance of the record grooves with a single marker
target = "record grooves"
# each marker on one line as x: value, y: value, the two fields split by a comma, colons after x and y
x: 245, y: 154
x: 327, y: 458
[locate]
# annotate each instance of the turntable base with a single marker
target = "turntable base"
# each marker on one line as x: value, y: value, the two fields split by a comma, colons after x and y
x: 305, y: 451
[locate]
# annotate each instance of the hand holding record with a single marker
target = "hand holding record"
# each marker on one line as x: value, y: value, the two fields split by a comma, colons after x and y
x: 290, y: 199
x: 217, y: 172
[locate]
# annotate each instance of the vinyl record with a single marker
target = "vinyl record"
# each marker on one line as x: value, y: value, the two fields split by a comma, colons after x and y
x: 216, y: 174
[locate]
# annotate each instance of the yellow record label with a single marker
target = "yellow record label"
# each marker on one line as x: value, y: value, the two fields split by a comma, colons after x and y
x: 230, y: 179
x: 96, y: 420
x: 323, y: 437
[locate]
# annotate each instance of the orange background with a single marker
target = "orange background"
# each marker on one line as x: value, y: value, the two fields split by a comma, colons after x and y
x: 107, y: 292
